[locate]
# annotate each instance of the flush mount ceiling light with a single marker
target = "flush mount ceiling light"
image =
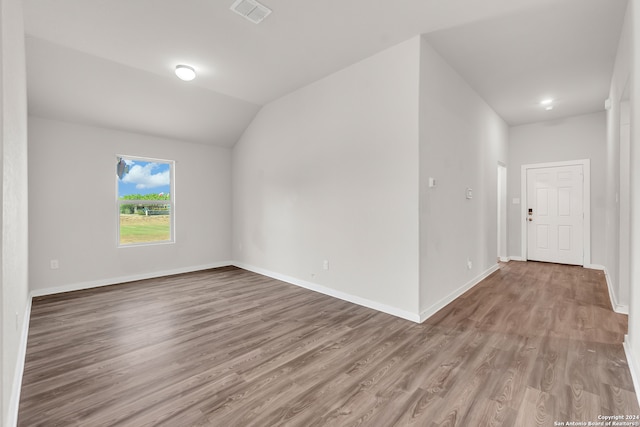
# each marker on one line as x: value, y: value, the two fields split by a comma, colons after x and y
x: 547, y: 104
x: 186, y: 73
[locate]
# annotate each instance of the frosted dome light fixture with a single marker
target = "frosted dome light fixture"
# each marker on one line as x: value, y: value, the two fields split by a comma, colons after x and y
x: 186, y: 73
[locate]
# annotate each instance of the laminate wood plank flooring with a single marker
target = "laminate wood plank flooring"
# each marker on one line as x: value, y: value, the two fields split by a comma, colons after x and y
x: 532, y: 345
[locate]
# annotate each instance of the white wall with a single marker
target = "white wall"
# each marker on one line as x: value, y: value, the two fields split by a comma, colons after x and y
x: 573, y: 138
x: 462, y: 141
x: 632, y: 344
x: 618, y: 170
x: 620, y: 247
x: 14, y: 213
x: 72, y: 198
x: 330, y: 172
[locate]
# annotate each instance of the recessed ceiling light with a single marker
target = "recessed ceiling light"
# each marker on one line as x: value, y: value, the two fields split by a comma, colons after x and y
x: 546, y: 101
x: 186, y: 73
x: 549, y: 107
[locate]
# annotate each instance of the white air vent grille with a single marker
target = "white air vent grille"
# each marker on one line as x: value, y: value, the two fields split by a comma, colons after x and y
x: 251, y: 9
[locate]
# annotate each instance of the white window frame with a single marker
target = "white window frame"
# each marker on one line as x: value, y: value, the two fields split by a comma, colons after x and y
x: 171, y: 202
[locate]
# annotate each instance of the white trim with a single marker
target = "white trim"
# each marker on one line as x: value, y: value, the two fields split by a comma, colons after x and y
x: 123, y: 279
x: 617, y: 307
x: 505, y: 259
x: 586, y: 203
x: 517, y: 258
x: 633, y: 367
x: 414, y: 317
x: 425, y: 314
x: 596, y: 267
x: 14, y: 401
x: 502, y: 212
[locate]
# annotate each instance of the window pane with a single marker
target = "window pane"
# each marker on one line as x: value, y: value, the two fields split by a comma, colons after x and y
x: 144, y: 200
x: 144, y: 223
x: 139, y: 179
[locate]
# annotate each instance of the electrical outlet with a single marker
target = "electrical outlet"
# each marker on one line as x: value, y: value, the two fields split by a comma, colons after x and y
x: 54, y: 264
x: 325, y: 264
x: 469, y: 264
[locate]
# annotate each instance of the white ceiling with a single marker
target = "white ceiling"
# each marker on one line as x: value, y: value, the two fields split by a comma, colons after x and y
x: 110, y: 62
x: 564, y: 51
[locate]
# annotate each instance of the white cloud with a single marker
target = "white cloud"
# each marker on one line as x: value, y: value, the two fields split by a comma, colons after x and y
x: 144, y: 178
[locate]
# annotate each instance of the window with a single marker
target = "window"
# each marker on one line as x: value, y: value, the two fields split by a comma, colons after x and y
x: 145, y: 202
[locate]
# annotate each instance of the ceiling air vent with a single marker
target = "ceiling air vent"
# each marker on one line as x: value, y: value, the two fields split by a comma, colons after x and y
x: 251, y: 9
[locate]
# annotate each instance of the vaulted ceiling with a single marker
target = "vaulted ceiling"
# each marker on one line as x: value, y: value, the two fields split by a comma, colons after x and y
x: 110, y: 63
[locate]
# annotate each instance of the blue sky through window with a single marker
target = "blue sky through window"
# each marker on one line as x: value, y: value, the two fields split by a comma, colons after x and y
x: 145, y: 178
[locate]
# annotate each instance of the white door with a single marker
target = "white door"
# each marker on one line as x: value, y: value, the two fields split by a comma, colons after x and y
x: 555, y: 217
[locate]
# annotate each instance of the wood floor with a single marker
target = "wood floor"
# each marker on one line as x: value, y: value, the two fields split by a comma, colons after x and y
x: 533, y: 345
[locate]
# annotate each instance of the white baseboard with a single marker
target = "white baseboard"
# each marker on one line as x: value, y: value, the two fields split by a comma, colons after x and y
x: 14, y: 401
x: 517, y: 258
x: 123, y: 279
x: 425, y: 314
x: 633, y: 367
x: 407, y: 315
x: 504, y: 259
x: 617, y: 307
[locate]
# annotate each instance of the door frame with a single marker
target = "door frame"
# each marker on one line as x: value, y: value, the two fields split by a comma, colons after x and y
x: 503, y: 214
x: 586, y: 208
